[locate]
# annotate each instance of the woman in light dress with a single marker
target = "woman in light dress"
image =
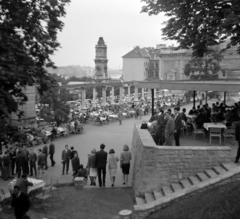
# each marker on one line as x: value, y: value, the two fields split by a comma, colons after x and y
x: 92, y: 167
x: 125, y: 159
x: 112, y: 165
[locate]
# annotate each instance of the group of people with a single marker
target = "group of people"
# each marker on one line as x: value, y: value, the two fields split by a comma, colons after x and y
x: 166, y: 126
x: 21, y: 160
x: 98, y: 161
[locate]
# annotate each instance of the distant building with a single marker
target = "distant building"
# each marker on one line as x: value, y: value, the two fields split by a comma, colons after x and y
x: 167, y: 63
x: 101, y: 61
x: 140, y: 64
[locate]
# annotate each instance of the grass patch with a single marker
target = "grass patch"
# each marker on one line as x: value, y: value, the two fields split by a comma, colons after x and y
x: 222, y: 202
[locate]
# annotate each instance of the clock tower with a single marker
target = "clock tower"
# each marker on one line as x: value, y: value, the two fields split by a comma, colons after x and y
x: 101, y: 71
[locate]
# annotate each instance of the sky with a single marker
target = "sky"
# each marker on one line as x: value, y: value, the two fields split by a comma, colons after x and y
x: 119, y: 22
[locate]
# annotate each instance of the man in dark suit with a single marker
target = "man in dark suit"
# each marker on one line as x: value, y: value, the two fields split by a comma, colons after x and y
x: 178, y: 125
x: 32, y: 162
x: 20, y: 203
x: 23, y: 184
x: 20, y: 163
x: 51, y: 152
x: 237, y: 137
x: 12, y: 155
x: 45, y: 151
x: 65, y: 159
x: 101, y: 162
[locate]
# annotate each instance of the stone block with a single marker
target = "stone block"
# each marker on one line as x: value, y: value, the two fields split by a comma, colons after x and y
x: 79, y: 182
x: 146, y: 155
x: 150, y: 163
x: 188, y: 152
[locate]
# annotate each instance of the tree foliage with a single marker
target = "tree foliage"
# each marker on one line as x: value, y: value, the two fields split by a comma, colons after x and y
x: 54, y: 107
x: 198, y: 24
x: 206, y: 67
x: 28, y: 36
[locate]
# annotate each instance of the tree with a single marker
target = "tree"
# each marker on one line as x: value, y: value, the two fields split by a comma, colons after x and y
x: 206, y: 67
x: 54, y: 107
x: 28, y: 36
x: 198, y: 24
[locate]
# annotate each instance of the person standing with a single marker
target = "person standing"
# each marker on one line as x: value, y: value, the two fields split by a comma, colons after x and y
x: 237, y: 137
x: 25, y: 153
x: 6, y: 164
x: 160, y: 128
x: 32, y: 162
x: 45, y: 151
x: 41, y: 162
x: 169, y: 129
x: 20, y: 202
x: 178, y: 125
x: 112, y: 165
x: 75, y: 163
x: 125, y: 159
x: 92, y: 167
x: 51, y: 152
x: 100, y: 163
x: 20, y: 163
x: 65, y: 159
x: 120, y: 117
x: 12, y: 155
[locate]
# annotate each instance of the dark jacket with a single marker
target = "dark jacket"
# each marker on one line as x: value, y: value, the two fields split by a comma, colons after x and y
x: 91, y: 161
x: 20, y: 204
x: 6, y: 160
x: 75, y: 164
x: 51, y: 148
x: 178, y: 123
x: 72, y: 154
x: 12, y: 155
x: 45, y: 150
x: 184, y: 117
x: 82, y: 173
x: 66, y: 155
x: 41, y: 159
x: 101, y: 159
x: 23, y: 184
x: 20, y: 160
x: 237, y: 131
x: 32, y: 158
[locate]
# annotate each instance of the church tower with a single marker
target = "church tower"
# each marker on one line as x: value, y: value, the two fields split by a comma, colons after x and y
x: 101, y: 71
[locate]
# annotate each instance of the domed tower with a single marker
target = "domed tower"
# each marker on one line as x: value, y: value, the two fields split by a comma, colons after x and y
x: 101, y: 60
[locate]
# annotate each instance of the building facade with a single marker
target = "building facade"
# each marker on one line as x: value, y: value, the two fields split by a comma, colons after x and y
x: 101, y: 61
x: 167, y: 63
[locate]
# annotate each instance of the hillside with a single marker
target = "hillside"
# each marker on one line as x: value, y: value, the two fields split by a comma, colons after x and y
x: 218, y: 203
x: 80, y: 71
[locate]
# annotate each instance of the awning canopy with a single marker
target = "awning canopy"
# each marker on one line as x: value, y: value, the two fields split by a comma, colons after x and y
x: 232, y: 85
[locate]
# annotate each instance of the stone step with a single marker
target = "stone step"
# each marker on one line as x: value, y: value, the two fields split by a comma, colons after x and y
x: 140, y: 201
x: 158, y: 194
x: 211, y: 173
x: 186, y: 183
x: 167, y: 190
x: 219, y: 169
x: 194, y: 180
x: 149, y: 197
x: 203, y: 176
x: 229, y: 166
x: 176, y: 187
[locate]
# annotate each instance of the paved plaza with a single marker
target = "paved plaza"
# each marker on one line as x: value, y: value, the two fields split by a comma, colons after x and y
x: 113, y: 136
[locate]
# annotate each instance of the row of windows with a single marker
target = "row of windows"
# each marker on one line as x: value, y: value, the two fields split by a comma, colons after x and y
x: 151, y: 64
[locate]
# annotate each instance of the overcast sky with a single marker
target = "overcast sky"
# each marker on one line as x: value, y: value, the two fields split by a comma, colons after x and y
x: 119, y: 22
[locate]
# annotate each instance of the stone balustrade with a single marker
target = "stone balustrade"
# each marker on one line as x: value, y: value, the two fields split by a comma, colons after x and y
x: 155, y: 166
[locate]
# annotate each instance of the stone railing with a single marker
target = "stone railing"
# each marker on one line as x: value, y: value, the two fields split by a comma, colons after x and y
x: 155, y: 166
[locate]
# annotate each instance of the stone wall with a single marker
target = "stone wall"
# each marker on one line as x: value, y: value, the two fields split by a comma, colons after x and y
x: 155, y: 166
x: 143, y: 211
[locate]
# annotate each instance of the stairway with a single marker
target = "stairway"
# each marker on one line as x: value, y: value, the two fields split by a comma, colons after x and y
x: 186, y: 186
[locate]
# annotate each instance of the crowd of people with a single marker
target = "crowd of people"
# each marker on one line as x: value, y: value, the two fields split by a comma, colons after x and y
x: 166, y: 126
